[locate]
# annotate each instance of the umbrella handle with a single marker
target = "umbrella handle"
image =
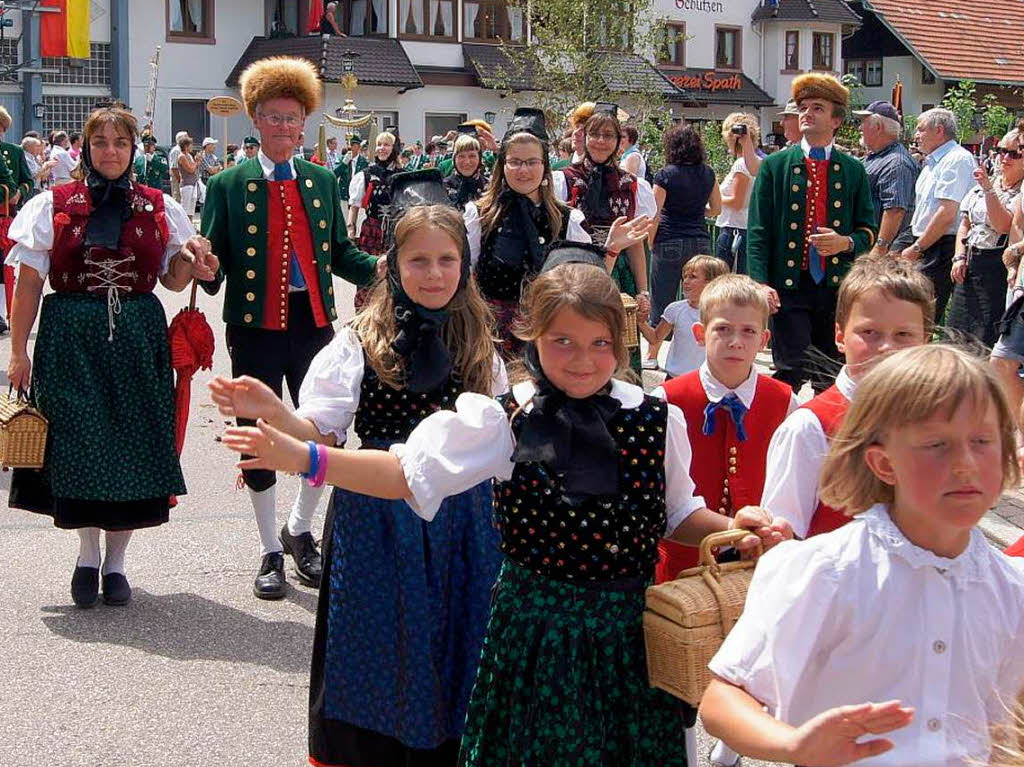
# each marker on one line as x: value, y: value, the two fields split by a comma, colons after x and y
x: 192, y: 298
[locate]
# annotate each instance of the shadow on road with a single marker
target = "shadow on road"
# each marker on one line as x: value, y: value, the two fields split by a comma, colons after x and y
x: 186, y: 626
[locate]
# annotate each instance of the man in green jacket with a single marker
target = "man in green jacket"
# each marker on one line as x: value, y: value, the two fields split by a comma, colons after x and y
x: 275, y: 223
x: 16, y: 179
x: 352, y: 163
x: 810, y: 215
x: 151, y: 167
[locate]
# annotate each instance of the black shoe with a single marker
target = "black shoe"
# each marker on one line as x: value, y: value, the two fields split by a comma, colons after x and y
x: 3, y: 326
x: 270, y: 583
x: 302, y: 548
x: 85, y: 586
x: 116, y: 590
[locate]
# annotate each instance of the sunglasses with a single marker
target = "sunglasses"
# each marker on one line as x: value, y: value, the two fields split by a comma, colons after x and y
x: 1013, y: 154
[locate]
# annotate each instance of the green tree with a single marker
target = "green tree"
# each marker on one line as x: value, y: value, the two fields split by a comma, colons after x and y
x: 849, y: 131
x: 962, y: 102
x: 998, y: 119
x: 719, y: 157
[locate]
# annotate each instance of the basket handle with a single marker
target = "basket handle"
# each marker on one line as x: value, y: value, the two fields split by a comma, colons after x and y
x: 23, y: 394
x: 721, y: 538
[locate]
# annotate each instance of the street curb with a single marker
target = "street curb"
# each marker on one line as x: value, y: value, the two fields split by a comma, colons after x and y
x: 1000, y: 532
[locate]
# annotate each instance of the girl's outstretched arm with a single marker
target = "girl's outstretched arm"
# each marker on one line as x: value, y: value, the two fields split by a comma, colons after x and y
x: 828, y: 740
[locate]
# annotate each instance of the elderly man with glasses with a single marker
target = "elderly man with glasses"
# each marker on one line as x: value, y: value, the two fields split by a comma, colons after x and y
x: 276, y: 225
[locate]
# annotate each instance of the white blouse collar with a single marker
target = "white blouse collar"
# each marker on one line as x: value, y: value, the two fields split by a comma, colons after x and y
x: 629, y: 395
x: 846, y: 385
x: 715, y: 389
x: 969, y: 566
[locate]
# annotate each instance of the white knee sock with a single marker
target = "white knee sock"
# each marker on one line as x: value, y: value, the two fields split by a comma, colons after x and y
x: 722, y: 754
x: 264, y: 504
x: 306, y: 502
x: 3, y: 301
x: 117, y: 544
x: 691, y: 746
x: 88, y: 547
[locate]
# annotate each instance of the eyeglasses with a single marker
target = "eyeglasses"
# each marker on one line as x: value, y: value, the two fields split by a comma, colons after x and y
x: 1013, y: 154
x: 603, y: 136
x: 532, y: 164
x: 276, y: 120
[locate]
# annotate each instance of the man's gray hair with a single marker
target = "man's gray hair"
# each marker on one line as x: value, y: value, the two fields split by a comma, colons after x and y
x: 890, y: 127
x: 179, y: 136
x: 939, y: 117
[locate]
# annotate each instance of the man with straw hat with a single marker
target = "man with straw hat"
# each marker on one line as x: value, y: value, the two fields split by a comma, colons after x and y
x: 810, y: 215
x: 277, y: 227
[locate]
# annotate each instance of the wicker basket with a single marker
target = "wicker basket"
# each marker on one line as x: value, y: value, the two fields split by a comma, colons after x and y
x: 687, y: 619
x: 631, y: 335
x: 22, y: 434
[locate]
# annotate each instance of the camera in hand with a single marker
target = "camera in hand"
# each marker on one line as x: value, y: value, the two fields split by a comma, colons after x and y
x: 739, y: 129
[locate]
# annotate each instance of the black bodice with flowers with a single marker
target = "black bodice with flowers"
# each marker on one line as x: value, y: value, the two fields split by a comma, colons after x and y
x: 597, y: 540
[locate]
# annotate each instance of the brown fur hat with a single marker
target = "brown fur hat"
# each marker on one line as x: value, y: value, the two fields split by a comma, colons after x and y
x: 578, y: 116
x: 815, y: 85
x: 280, y: 77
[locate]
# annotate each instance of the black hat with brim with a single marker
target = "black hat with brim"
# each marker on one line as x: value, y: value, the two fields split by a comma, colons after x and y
x: 528, y: 120
x: 566, y: 252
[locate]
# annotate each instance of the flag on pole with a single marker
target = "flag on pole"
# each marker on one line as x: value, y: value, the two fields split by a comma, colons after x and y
x: 897, y: 96
x: 66, y: 33
x: 316, y: 13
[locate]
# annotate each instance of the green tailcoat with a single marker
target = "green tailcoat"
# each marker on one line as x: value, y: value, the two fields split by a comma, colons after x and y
x: 776, y: 225
x: 21, y: 177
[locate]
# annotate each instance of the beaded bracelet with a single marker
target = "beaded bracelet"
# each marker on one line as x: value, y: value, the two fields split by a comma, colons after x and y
x: 314, y: 461
x: 321, y: 470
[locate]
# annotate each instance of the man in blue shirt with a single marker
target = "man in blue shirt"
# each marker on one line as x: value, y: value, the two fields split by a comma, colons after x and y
x: 946, y: 177
x: 892, y: 174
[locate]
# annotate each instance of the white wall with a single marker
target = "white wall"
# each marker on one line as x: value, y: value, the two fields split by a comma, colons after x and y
x: 700, y: 30
x: 915, y: 95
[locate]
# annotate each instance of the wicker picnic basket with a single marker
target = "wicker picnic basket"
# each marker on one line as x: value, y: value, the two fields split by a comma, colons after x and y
x: 687, y: 619
x: 22, y: 433
x: 630, y: 335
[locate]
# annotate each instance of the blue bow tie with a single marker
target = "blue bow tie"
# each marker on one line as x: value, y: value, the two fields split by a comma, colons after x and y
x: 736, y: 409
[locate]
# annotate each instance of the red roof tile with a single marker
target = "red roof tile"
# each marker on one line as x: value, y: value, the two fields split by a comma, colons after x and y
x: 970, y: 39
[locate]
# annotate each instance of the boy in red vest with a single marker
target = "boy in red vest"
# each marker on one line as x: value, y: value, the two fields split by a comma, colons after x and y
x: 884, y: 305
x: 731, y: 410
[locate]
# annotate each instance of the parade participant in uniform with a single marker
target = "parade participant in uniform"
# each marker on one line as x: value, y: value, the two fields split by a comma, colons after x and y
x: 883, y: 305
x: 276, y: 225
x: 468, y: 180
x: 250, y: 148
x: 518, y: 218
x: 907, y: 604
x: 151, y: 166
x: 581, y: 503
x: 810, y: 215
x: 19, y: 189
x: 404, y: 605
x: 352, y: 162
x: 101, y: 372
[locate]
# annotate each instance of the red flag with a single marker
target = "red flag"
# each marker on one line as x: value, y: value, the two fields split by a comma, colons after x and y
x: 897, y: 96
x: 316, y: 14
x: 53, y: 29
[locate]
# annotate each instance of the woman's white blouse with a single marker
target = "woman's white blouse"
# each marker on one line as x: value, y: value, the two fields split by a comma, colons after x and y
x: 356, y: 189
x: 471, y: 217
x: 32, y: 233
x: 329, y: 395
x: 862, y: 614
x: 451, y: 451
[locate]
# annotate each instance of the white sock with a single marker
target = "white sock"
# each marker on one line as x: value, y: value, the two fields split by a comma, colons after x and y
x: 306, y: 502
x: 722, y: 754
x: 264, y: 504
x: 691, y: 746
x: 3, y: 301
x: 117, y: 544
x: 88, y: 547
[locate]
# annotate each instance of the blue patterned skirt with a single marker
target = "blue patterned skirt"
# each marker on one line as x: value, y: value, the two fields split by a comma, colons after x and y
x: 403, y: 609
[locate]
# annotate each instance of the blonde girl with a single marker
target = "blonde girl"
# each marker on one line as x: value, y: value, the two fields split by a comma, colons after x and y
x: 467, y: 180
x: 369, y: 191
x: 403, y: 604
x: 589, y: 474
x: 905, y: 623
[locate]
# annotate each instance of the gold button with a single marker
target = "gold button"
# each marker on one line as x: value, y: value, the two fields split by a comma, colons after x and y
x: 835, y: 260
x: 795, y: 206
x: 789, y: 283
x: 250, y: 251
x: 316, y: 203
x: 721, y: 510
x: 725, y: 489
x: 732, y: 451
x: 726, y: 482
x: 330, y: 291
x: 309, y: 183
x: 836, y: 167
x: 323, y: 224
x: 732, y: 461
x: 251, y: 274
x: 797, y: 170
x: 838, y: 185
x: 334, y: 312
x: 791, y: 263
x: 796, y: 187
x: 247, y: 318
x: 250, y: 296
x: 837, y: 204
x: 732, y: 469
x: 251, y: 187
x: 325, y: 247
x: 792, y: 246
x: 836, y: 223
x: 794, y: 226
x: 252, y: 229
x: 250, y: 207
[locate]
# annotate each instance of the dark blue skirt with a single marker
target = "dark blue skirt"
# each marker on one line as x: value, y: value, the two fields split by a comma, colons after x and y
x: 403, y: 610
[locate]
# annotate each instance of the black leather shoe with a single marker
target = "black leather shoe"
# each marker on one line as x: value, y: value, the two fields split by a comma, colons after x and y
x: 85, y: 586
x: 270, y: 583
x: 3, y: 326
x: 116, y: 590
x: 303, y: 549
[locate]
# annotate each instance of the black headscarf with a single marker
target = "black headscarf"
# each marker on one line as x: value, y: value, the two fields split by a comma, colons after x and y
x: 463, y: 189
x: 111, y: 202
x: 570, y: 436
x: 600, y: 183
x: 519, y: 216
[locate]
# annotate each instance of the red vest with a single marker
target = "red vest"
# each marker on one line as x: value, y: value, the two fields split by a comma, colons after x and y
x: 830, y: 408
x: 288, y: 232
x: 816, y: 210
x: 728, y: 473
x: 134, y: 267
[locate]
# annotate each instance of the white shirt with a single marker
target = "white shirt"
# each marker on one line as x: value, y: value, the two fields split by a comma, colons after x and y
x: 471, y: 217
x: 559, y: 186
x: 268, y: 166
x: 736, y: 216
x: 641, y: 172
x: 65, y: 164
x: 32, y: 233
x: 329, y: 395
x: 946, y: 174
x: 715, y: 390
x: 795, y: 457
x: 645, y: 202
x: 684, y: 353
x: 806, y: 146
x: 862, y: 614
x: 450, y: 452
